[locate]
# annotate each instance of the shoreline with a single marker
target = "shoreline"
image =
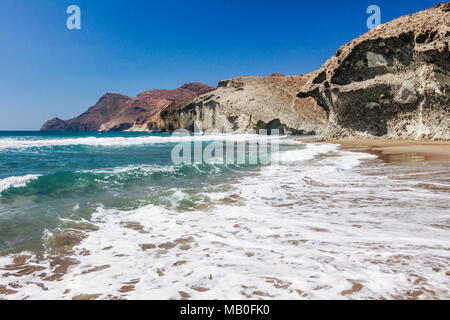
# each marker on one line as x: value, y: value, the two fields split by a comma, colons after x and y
x: 315, y: 217
x: 396, y: 151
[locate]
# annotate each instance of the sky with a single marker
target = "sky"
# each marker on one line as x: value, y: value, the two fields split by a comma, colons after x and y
x: 47, y: 70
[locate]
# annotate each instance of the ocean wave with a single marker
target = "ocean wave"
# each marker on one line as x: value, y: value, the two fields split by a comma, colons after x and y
x: 17, y: 181
x: 10, y: 143
x: 309, y: 152
x: 102, y: 179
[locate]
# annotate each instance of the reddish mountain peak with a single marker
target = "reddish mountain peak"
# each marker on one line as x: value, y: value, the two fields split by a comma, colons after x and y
x: 117, y: 111
x: 186, y: 91
x: 156, y: 93
x: 111, y: 98
x: 113, y: 95
x: 197, y: 87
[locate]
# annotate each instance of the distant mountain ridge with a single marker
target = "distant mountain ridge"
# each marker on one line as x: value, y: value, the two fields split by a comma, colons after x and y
x: 117, y: 112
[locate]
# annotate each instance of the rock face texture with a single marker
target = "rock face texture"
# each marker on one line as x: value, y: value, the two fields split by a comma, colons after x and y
x: 116, y: 112
x: 392, y: 82
x: 249, y: 103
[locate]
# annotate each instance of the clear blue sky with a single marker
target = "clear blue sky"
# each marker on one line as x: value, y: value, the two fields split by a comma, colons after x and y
x: 131, y: 46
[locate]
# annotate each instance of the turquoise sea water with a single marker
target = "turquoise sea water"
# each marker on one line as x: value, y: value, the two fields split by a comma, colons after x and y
x: 110, y: 215
x: 48, y: 176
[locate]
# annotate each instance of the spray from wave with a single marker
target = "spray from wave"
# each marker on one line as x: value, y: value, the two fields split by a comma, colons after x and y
x: 17, y: 181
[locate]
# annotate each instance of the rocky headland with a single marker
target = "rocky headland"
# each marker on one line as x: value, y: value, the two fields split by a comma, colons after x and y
x: 117, y: 112
x: 236, y: 105
x: 392, y: 82
x: 250, y: 103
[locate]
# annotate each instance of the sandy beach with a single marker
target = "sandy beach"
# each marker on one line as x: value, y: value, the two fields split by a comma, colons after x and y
x: 399, y: 151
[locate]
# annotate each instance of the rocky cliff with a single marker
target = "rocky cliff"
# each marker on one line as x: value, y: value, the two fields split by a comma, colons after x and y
x: 246, y: 103
x: 393, y: 81
x: 116, y: 112
x: 238, y: 104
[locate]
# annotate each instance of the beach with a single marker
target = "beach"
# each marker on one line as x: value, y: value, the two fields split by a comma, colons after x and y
x: 401, y: 151
x: 397, y: 151
x: 121, y: 221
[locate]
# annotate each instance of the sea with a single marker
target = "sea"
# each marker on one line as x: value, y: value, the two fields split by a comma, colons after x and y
x: 111, y: 215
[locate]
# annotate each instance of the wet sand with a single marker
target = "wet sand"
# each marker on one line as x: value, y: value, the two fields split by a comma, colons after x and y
x: 399, y: 151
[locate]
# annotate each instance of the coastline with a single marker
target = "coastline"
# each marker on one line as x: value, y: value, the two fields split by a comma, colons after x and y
x: 357, y: 228
x: 396, y: 151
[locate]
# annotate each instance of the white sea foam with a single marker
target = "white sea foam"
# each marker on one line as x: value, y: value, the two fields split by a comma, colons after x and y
x: 320, y: 229
x: 9, y: 143
x: 310, y: 151
x: 147, y: 169
x: 19, y: 181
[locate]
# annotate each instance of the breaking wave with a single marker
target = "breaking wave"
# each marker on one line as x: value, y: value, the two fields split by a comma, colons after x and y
x: 16, y: 182
x: 11, y: 143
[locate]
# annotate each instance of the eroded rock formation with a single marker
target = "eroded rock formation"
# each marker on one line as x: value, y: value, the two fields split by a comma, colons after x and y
x: 247, y: 103
x: 393, y: 81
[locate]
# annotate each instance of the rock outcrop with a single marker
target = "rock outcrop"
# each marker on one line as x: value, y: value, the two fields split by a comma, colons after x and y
x: 117, y: 112
x: 249, y: 103
x: 393, y: 81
